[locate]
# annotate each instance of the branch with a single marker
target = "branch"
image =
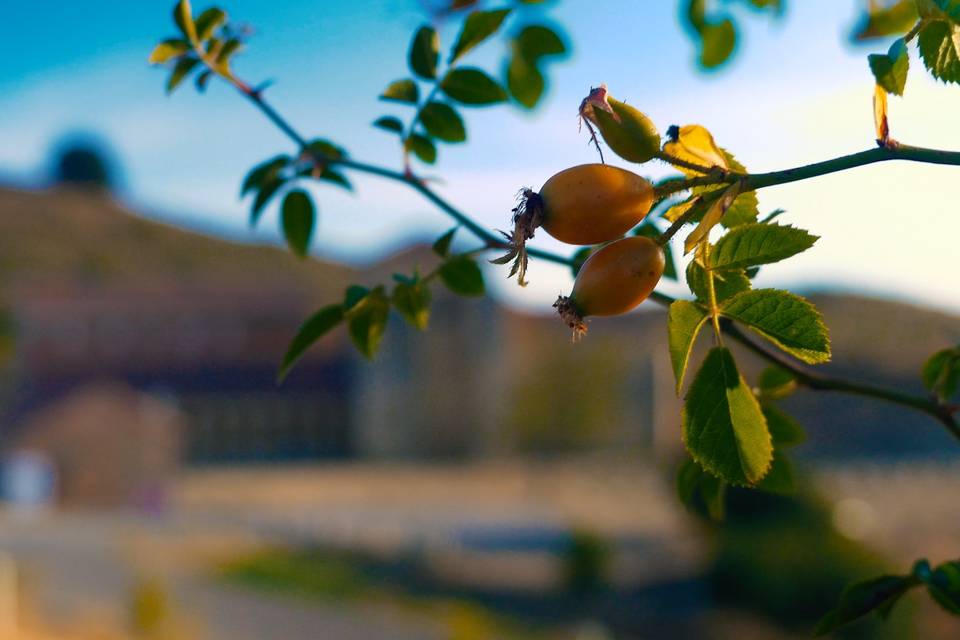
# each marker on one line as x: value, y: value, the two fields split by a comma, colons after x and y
x: 814, y: 381
x: 753, y: 181
x: 896, y: 151
x: 692, y: 166
x: 819, y: 382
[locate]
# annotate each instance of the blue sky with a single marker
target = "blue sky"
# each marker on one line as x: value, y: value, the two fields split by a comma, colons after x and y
x: 797, y: 92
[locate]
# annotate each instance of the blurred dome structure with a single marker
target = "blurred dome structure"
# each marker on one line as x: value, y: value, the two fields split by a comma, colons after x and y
x: 83, y: 160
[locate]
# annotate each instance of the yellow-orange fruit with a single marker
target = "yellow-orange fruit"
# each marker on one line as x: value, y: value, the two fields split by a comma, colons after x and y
x: 593, y: 203
x: 612, y: 281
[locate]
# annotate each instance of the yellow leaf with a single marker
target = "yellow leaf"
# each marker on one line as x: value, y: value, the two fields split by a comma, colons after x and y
x: 880, y: 115
x: 673, y: 213
x: 712, y: 217
x: 695, y: 144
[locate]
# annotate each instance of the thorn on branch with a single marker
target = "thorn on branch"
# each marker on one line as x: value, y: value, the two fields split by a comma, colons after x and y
x: 593, y: 139
x: 257, y: 91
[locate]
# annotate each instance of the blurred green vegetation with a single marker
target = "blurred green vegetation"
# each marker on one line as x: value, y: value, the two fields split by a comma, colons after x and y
x: 325, y: 575
x: 567, y: 402
x: 309, y: 572
x: 586, y: 561
x: 781, y: 557
x: 149, y: 607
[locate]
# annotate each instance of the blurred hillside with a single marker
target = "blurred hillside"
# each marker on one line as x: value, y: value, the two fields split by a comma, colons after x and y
x: 96, y: 294
x: 136, y: 349
x: 77, y: 234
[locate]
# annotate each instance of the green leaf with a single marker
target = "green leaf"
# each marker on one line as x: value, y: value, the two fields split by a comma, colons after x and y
x: 783, y: 318
x: 168, y: 50
x: 354, y: 295
x: 722, y: 425
x: 781, y: 479
x: 230, y: 47
x: 726, y: 284
x: 776, y: 383
x: 698, y: 489
x: 754, y: 244
x: 208, y: 21
x: 422, y: 147
x: 713, y: 492
x: 884, y: 21
x: 264, y: 195
x: 525, y: 82
x: 744, y: 210
x: 442, y: 246
x: 180, y: 71
x: 389, y: 123
x: 777, y: 5
x: 684, y: 321
x: 368, y: 322
x: 941, y: 373
x: 424, y: 53
x: 202, y: 79
x: 478, y: 26
x: 536, y: 41
x: 939, y: 9
x: 462, y: 275
x: 297, y: 218
x: 310, y: 331
x: 212, y: 47
x: 939, y: 43
x: 472, y: 86
x: 263, y: 173
x: 951, y: 8
x: 443, y: 122
x: 183, y: 18
x: 325, y: 149
x: 773, y: 215
x: 717, y: 43
x: 784, y: 430
x: 687, y: 477
x: 401, y: 91
x: 412, y: 300
x: 944, y: 586
x: 649, y: 230
x: 334, y: 177
x: 890, y: 69
x: 863, y: 597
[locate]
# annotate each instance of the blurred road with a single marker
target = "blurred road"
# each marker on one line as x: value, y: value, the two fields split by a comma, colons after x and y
x: 471, y: 523
x: 79, y: 567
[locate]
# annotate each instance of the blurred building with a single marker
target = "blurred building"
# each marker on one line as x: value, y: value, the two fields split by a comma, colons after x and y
x: 102, y: 306
x: 108, y: 444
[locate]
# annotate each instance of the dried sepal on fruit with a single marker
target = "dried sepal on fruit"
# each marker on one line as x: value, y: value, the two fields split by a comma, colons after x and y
x: 626, y: 130
x: 527, y: 216
x: 614, y: 280
x: 583, y: 205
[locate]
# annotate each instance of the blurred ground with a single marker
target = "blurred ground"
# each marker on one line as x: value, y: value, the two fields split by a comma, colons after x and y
x: 487, y: 524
